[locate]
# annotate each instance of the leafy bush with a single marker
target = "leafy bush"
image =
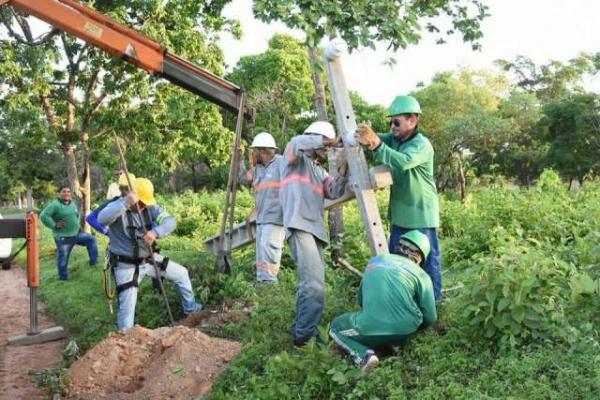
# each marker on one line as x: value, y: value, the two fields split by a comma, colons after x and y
x: 523, y: 310
x: 519, y: 295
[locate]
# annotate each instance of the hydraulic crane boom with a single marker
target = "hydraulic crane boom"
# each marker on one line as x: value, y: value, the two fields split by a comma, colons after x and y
x: 133, y: 47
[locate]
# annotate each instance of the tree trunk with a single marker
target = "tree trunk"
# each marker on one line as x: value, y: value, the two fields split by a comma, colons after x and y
x: 67, y: 146
x: 319, y: 98
x: 29, y: 199
x: 461, y: 177
x: 336, y: 214
x: 85, y: 191
x: 283, y: 125
x: 172, y: 182
x: 69, y: 153
x: 194, y: 177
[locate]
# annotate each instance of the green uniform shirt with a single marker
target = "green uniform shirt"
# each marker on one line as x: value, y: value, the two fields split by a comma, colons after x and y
x: 413, y: 198
x: 396, y: 296
x: 55, y: 211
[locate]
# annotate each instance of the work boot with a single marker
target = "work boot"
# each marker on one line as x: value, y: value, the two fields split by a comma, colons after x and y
x: 370, y: 361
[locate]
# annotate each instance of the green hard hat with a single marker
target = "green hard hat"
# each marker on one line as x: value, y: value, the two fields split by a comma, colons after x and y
x: 404, y: 105
x: 420, y: 240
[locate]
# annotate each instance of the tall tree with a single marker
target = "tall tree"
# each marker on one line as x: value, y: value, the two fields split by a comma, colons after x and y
x: 279, y: 85
x: 572, y: 127
x: 523, y: 151
x: 375, y: 114
x: 71, y: 82
x: 458, y: 110
x: 553, y: 79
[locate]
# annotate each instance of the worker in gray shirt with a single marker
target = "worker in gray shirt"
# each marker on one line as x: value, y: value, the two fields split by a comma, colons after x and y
x: 303, y: 187
x: 132, y: 231
x: 264, y: 178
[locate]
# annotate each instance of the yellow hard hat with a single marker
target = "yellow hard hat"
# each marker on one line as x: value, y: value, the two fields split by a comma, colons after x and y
x: 123, y: 179
x: 145, y: 190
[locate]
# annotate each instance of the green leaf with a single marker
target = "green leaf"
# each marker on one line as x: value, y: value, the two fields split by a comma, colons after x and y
x: 503, y: 303
x: 582, y: 284
x: 518, y: 314
x: 339, y: 378
x: 178, y: 370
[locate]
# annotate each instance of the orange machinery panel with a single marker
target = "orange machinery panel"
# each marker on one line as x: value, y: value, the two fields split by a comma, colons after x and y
x: 33, y: 250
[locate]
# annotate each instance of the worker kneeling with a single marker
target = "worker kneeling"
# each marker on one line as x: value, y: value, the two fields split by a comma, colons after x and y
x: 396, y: 296
x: 134, y: 223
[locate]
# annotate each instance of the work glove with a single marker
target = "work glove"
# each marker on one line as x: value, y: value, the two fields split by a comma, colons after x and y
x: 335, y: 48
x: 349, y: 138
x: 367, y: 137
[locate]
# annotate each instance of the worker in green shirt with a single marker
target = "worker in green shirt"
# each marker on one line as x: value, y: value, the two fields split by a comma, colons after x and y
x: 414, y: 201
x: 396, y: 296
x: 61, y: 215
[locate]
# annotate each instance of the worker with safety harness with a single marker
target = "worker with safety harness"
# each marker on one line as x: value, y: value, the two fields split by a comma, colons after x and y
x: 134, y: 223
x: 397, y: 299
x: 304, y: 186
x: 92, y: 220
x: 263, y: 175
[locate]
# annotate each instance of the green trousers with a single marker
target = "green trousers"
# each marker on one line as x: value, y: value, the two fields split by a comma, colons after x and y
x: 358, y: 338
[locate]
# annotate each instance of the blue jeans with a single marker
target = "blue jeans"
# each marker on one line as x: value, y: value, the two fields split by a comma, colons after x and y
x: 433, y: 266
x: 307, y: 251
x: 64, y: 246
x: 269, y: 243
x: 174, y: 272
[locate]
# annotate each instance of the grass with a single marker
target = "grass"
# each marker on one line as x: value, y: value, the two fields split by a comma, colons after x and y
x: 463, y: 364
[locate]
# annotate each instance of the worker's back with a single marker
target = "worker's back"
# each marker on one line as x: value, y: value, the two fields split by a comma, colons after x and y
x: 396, y: 296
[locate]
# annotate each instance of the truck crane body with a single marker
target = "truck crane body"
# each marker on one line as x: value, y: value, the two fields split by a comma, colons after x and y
x: 133, y: 47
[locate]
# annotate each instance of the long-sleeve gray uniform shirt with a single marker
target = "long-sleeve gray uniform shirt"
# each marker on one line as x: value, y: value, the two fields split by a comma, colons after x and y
x: 304, y: 185
x: 265, y: 182
x: 114, y: 216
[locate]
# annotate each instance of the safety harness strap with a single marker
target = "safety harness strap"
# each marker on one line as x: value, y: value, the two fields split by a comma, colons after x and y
x: 115, y: 260
x: 131, y: 228
x: 132, y: 283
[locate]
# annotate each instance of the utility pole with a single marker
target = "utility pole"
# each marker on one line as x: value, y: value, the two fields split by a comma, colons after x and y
x: 360, y: 181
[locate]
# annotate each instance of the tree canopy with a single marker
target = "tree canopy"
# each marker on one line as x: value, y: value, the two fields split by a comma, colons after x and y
x: 365, y: 22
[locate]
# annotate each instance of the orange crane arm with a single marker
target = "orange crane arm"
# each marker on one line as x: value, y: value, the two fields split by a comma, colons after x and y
x: 132, y: 46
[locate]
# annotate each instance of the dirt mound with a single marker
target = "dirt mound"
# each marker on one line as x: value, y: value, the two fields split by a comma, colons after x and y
x: 165, y: 363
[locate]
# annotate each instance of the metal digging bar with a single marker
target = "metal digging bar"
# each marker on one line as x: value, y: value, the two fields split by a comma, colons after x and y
x: 222, y: 262
x: 137, y: 206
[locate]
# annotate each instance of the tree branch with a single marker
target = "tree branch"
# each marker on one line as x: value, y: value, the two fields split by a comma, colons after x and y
x: 22, y: 21
x: 68, y: 52
x: 48, y: 110
x: 46, y: 37
x: 84, y: 49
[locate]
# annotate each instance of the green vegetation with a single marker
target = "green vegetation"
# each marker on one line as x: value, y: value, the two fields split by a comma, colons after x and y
x: 523, y: 309
x: 522, y: 265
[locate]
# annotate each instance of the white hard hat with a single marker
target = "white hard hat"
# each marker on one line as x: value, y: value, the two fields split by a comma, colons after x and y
x: 322, y: 128
x: 264, y: 139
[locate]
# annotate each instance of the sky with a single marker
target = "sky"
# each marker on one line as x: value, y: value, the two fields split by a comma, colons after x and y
x: 542, y: 30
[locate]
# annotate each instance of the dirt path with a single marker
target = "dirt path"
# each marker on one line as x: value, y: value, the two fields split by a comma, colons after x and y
x: 15, y: 383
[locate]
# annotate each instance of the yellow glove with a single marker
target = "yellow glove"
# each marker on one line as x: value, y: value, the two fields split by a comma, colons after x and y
x: 367, y: 137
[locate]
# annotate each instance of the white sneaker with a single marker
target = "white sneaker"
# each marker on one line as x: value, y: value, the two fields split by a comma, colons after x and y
x: 370, y: 361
